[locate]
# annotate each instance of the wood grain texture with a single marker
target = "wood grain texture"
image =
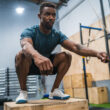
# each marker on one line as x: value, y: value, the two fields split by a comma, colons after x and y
x: 97, y: 95
x: 70, y: 104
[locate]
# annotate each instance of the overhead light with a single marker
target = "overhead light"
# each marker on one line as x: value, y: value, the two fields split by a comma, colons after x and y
x: 19, y: 10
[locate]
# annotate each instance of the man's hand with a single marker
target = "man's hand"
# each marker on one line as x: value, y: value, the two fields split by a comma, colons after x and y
x: 44, y: 64
x: 103, y: 57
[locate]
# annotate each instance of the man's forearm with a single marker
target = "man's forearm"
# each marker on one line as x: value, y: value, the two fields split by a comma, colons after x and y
x: 84, y: 51
x: 29, y: 50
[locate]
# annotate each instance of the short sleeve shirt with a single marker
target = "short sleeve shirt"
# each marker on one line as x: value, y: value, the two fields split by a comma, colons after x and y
x: 43, y: 43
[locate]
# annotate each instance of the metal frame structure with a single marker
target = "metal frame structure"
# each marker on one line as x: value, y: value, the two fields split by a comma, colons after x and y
x: 83, y: 58
x: 105, y: 32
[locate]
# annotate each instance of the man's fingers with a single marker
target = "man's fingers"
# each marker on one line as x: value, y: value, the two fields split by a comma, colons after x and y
x: 44, y: 67
x: 51, y: 66
x: 103, y: 57
x: 41, y: 68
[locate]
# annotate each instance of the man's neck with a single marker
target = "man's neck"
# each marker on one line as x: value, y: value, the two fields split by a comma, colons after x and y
x: 44, y: 30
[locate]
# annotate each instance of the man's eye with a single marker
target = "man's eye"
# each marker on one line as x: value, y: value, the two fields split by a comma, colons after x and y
x: 47, y: 14
x: 54, y: 15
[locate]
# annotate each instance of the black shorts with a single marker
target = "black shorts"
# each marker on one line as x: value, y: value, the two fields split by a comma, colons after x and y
x: 34, y: 70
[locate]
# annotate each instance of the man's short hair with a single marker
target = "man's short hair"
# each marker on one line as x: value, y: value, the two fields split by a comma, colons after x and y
x: 47, y: 4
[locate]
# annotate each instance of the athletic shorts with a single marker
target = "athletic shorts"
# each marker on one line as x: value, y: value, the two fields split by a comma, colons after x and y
x: 34, y: 70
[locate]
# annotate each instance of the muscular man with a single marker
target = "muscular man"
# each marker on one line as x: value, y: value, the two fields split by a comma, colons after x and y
x: 35, y: 57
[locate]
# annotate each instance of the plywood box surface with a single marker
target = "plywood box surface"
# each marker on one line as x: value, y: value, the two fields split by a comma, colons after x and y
x: 97, y: 95
x: 78, y: 80
x: 71, y: 104
x: 69, y: 91
x: 67, y: 82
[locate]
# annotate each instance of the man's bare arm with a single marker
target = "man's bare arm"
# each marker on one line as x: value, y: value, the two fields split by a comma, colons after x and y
x: 79, y: 49
x: 43, y: 63
x: 84, y: 51
x: 27, y: 47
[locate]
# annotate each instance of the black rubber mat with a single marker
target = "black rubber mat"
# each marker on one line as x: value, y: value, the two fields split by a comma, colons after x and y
x: 98, y: 108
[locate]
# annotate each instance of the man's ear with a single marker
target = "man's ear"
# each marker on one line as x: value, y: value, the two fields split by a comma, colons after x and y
x: 39, y: 15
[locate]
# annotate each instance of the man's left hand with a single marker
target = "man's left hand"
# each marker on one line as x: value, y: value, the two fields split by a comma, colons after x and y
x: 103, y: 57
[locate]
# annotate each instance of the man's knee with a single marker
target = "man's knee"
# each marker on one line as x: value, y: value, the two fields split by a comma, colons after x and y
x: 20, y: 58
x: 66, y: 56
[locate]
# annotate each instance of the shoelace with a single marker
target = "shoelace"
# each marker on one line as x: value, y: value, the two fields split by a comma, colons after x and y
x: 23, y: 94
x: 59, y: 92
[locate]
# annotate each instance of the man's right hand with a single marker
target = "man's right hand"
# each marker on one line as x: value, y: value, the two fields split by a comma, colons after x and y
x: 44, y: 64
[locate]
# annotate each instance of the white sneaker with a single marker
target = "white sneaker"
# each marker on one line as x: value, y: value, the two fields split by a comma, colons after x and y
x: 58, y: 94
x: 22, y: 98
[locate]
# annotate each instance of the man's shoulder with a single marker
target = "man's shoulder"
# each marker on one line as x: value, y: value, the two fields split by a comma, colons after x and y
x: 34, y: 27
x: 29, y: 31
x: 56, y: 32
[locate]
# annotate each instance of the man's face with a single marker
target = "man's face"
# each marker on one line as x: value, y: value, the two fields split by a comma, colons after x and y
x: 47, y: 17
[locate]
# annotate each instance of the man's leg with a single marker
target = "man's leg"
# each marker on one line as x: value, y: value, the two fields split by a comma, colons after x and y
x: 62, y: 61
x: 22, y: 64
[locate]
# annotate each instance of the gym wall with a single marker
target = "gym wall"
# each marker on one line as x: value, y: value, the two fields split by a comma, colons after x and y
x: 99, y: 70
x: 86, y: 13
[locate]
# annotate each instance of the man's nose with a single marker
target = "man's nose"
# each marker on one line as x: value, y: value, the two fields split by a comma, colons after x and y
x: 51, y: 17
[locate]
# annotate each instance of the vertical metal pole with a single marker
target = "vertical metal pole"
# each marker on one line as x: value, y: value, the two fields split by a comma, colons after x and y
x: 84, y: 67
x: 105, y: 32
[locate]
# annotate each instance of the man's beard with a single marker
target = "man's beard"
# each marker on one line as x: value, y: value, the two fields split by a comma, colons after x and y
x: 47, y: 26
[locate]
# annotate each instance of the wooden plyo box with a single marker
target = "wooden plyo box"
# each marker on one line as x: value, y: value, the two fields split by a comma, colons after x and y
x: 97, y: 95
x: 78, y: 80
x: 80, y: 93
x: 69, y: 91
x: 67, y: 82
x: 70, y: 104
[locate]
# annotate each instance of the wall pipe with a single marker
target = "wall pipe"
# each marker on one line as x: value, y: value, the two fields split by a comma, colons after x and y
x: 105, y: 32
x: 58, y: 20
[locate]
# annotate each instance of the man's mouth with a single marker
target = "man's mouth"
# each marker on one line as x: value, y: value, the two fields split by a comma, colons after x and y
x: 50, y: 23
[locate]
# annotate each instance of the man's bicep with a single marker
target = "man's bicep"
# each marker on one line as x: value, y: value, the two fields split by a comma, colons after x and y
x: 70, y: 45
x: 26, y: 41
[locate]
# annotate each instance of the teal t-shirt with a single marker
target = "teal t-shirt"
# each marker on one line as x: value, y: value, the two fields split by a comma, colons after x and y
x: 43, y: 43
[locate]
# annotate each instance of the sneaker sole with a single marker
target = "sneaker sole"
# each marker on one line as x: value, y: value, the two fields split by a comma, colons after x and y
x: 21, y: 101
x: 60, y: 98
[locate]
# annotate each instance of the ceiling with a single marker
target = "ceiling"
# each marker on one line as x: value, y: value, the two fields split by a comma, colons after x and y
x: 59, y: 3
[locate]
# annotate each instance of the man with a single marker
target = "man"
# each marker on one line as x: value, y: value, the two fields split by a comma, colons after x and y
x: 35, y: 57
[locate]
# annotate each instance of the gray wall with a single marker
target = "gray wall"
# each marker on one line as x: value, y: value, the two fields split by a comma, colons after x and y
x: 11, y: 26
x: 84, y: 14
